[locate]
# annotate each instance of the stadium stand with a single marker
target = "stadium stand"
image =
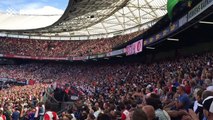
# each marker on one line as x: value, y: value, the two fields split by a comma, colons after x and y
x: 37, y: 48
x: 115, y: 90
x: 179, y: 88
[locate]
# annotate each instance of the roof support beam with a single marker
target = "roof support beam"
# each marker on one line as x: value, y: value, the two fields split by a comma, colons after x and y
x: 151, y: 8
x: 129, y: 17
x: 119, y: 22
x: 136, y: 18
x: 104, y: 27
x: 139, y: 7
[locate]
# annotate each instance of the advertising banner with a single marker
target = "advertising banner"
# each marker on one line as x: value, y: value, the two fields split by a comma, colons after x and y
x: 35, y: 58
x: 101, y: 55
x: 130, y: 49
x: 23, y: 57
x: 199, y: 8
x: 9, y: 56
x: 183, y: 21
x: 80, y: 58
x: 138, y: 46
x: 115, y: 52
x: 202, y: 6
x: 173, y: 27
x: 52, y: 58
x: 92, y: 57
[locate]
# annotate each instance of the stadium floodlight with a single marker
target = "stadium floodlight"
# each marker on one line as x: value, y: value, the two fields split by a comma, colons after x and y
x: 172, y: 39
x: 151, y: 48
x: 206, y: 22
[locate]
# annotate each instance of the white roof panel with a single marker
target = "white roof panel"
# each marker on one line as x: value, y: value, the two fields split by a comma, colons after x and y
x: 21, y: 22
x: 126, y: 16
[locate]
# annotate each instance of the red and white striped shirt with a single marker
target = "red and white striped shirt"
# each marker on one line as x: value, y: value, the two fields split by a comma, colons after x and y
x: 49, y: 115
x: 125, y: 115
x: 2, y: 117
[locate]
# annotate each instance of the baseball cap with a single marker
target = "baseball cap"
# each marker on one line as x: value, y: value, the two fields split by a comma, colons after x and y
x: 208, y: 104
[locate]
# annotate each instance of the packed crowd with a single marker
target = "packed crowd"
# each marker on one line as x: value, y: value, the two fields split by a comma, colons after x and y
x: 52, y: 48
x: 176, y: 89
x: 21, y: 102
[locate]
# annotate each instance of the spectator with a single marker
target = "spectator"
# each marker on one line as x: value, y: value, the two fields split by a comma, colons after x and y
x: 108, y: 89
x: 183, y: 100
x: 198, y: 107
x: 154, y: 100
x: 2, y: 116
x: 150, y: 112
x: 208, y: 107
x: 125, y: 112
x: 16, y: 114
x: 139, y: 114
x: 206, y: 94
x: 50, y: 115
x: 50, y: 48
x: 102, y: 116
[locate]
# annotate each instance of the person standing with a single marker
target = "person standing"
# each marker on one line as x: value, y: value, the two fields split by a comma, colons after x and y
x: 50, y: 115
x: 2, y: 117
x: 16, y: 114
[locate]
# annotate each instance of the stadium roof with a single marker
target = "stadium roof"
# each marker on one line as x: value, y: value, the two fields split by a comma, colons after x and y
x: 87, y: 17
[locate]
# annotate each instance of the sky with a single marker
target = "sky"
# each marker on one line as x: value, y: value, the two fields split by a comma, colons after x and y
x: 34, y: 7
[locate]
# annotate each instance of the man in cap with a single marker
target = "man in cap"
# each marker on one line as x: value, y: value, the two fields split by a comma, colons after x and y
x: 208, y: 108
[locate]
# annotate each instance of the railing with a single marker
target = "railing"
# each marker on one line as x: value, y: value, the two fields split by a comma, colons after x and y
x: 65, y: 107
x: 50, y: 97
x: 57, y: 106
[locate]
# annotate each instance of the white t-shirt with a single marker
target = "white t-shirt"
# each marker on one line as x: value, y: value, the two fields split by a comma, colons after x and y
x: 210, y: 88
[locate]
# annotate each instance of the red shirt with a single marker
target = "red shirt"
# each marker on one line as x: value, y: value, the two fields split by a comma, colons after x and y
x: 49, y: 115
x: 188, y: 89
x: 2, y: 117
x: 125, y: 115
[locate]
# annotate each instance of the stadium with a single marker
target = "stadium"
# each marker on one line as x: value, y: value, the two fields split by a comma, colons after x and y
x: 106, y: 60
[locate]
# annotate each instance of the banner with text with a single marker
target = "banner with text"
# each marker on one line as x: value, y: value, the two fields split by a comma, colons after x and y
x: 134, y: 48
x: 138, y: 46
x: 80, y: 58
x: 115, y: 52
x: 199, y: 8
x: 130, y: 49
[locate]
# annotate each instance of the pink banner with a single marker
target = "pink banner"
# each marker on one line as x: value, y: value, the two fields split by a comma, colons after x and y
x: 130, y: 49
x: 134, y: 48
x: 138, y: 46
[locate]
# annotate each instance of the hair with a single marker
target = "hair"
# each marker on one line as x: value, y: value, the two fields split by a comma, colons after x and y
x: 207, y: 82
x: 139, y: 114
x: 200, y: 92
x: 154, y: 100
x: 183, y: 88
x: 92, y: 116
x: 193, y: 83
x: 206, y: 94
x: 67, y: 116
x: 121, y: 106
x: 149, y: 110
x: 134, y: 104
x: 102, y: 116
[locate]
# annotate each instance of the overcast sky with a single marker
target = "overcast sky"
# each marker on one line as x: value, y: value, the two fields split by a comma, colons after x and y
x: 38, y: 7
